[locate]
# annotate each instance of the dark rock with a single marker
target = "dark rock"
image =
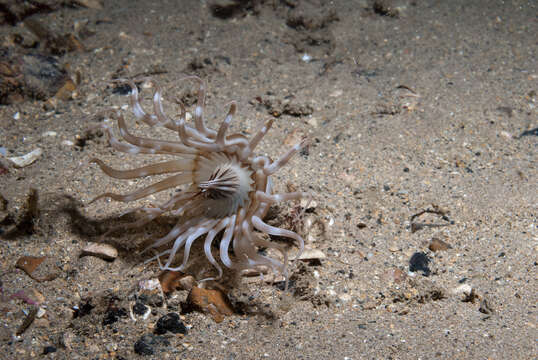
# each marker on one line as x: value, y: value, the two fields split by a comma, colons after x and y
x: 139, y: 308
x: 419, y: 262
x: 146, y: 344
x: 49, y: 349
x: 82, y: 309
x: 154, y: 300
x: 113, y: 315
x: 170, y: 322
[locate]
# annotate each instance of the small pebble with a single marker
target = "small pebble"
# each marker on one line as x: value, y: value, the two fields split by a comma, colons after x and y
x: 395, y: 275
x: 419, y: 262
x: 49, y: 349
x: 139, y: 308
x: 438, y: 245
x: 170, y: 322
x: 113, y: 315
x: 145, y: 345
x: 306, y: 58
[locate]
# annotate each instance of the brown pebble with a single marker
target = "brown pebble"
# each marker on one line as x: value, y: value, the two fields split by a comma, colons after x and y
x: 39, y: 268
x: 395, y: 275
x: 66, y: 91
x: 438, y: 245
x: 213, y: 301
x: 175, y: 280
x: 29, y: 263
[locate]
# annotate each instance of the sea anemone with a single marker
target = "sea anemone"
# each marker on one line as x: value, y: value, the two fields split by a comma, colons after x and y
x: 223, y: 191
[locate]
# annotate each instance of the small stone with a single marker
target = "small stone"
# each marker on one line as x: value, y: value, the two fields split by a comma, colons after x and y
x: 170, y: 322
x: 187, y: 282
x: 139, y: 308
x: 66, y: 91
x: 438, y: 245
x: 39, y: 268
x: 213, y: 301
x: 419, y: 262
x: 113, y: 315
x: 49, y: 349
x: 29, y: 263
x: 175, y: 280
x: 104, y: 251
x: 395, y: 275
x: 145, y: 345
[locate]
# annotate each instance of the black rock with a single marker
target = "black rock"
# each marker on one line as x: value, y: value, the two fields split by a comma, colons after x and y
x: 170, y: 322
x: 419, y: 262
x: 139, y: 308
x: 146, y: 344
x: 49, y: 349
x: 113, y: 315
x: 82, y: 309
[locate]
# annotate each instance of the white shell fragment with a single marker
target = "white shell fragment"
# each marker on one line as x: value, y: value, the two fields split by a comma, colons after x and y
x: 40, y: 313
x: 463, y: 291
x: 312, y: 254
x: 101, y: 250
x: 25, y: 160
x: 150, y: 284
x: 306, y: 58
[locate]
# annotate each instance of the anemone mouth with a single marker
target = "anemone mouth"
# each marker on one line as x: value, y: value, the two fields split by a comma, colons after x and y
x: 224, y: 183
x: 228, y: 190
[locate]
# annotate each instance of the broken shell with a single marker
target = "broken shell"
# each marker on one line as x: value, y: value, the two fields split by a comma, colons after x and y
x: 27, y: 159
x: 150, y: 284
x: 464, y: 292
x: 312, y: 254
x: 101, y: 250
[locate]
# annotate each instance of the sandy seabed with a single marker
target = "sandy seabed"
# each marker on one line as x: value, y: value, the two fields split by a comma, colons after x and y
x: 422, y: 126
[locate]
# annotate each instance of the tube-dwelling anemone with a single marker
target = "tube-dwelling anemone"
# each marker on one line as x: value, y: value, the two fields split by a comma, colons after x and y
x: 226, y: 190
